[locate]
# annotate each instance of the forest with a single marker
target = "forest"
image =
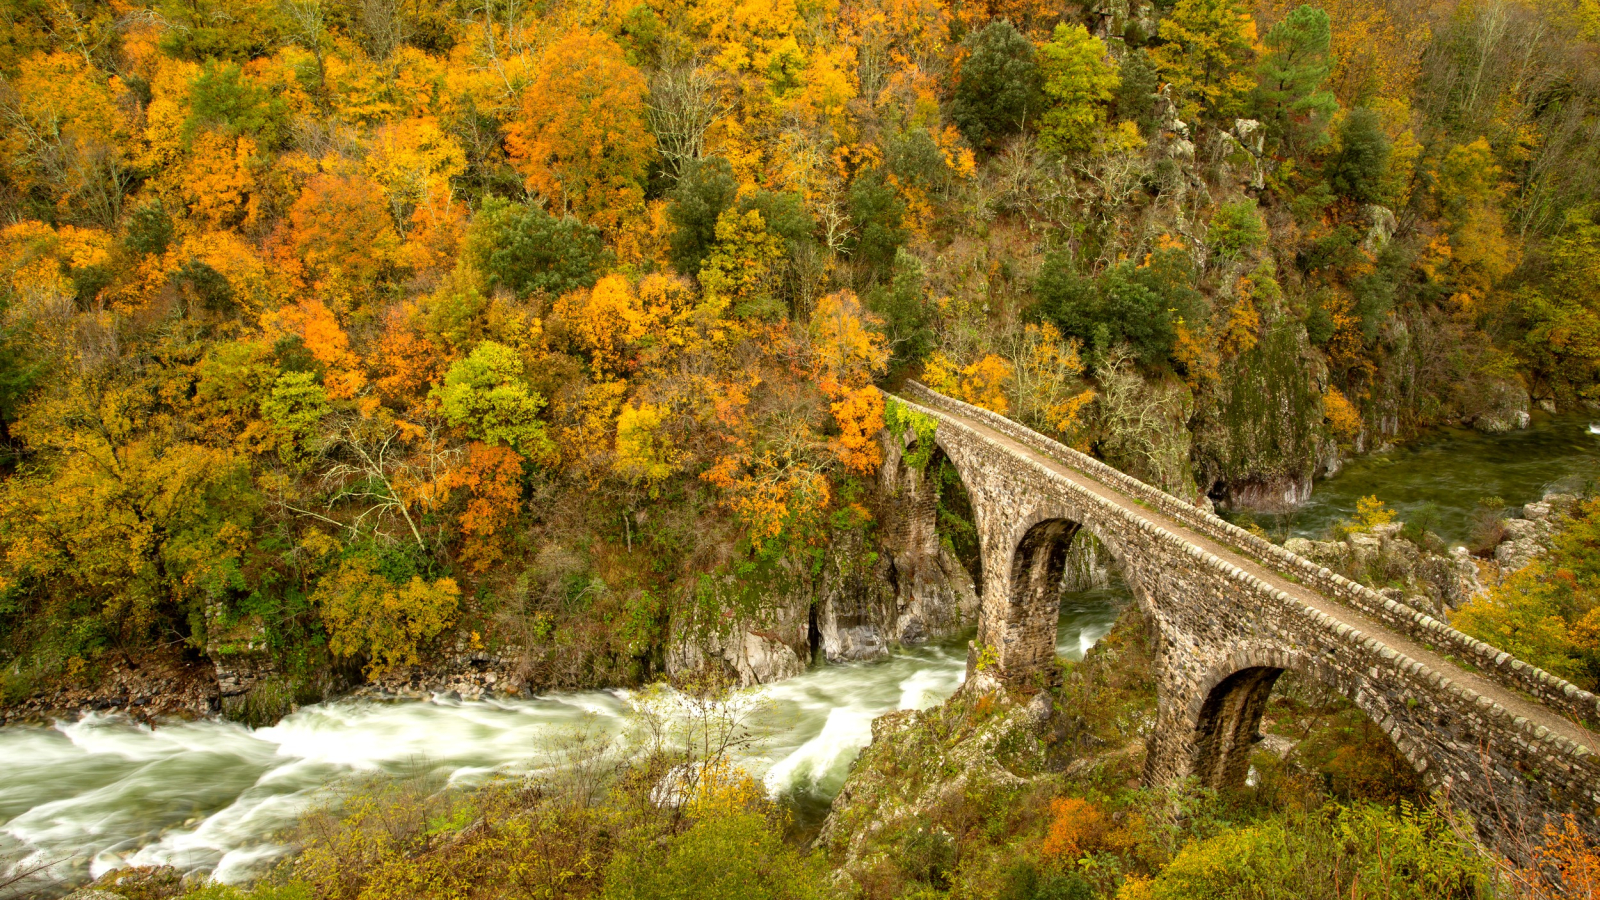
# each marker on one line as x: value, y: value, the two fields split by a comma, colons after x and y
x: 345, y: 332
x: 564, y: 322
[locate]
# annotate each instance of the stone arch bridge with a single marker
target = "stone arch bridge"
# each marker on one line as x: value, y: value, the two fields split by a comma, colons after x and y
x: 1507, y: 742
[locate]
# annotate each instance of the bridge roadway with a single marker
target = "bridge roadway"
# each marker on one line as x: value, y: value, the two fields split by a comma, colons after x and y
x: 1506, y: 742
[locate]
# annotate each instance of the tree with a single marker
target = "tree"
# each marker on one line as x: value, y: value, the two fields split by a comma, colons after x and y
x: 998, y: 89
x: 1469, y: 192
x: 606, y: 321
x: 685, y: 101
x: 1136, y: 305
x: 1360, y: 158
x: 705, y: 189
x: 343, y: 232
x: 1292, y: 99
x: 486, y: 394
x: 1135, y: 99
x: 879, y: 213
x: 985, y: 382
x: 525, y: 250
x: 386, y: 620
x: 224, y: 100
x: 850, y: 352
x: 1080, y: 78
x: 644, y: 450
x: 1548, y: 613
x: 1563, y: 337
x: 582, y: 139
x: 294, y: 409
x: 742, y: 268
x: 1207, y: 49
x: 492, y: 477
x: 125, y: 529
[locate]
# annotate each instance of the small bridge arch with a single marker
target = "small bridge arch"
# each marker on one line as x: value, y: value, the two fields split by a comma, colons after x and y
x: 1022, y: 554
x: 1226, y: 709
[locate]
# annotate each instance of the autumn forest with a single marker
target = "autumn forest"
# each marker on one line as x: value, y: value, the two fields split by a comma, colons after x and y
x: 342, y: 335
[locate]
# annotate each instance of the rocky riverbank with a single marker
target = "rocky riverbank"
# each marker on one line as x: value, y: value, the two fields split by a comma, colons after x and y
x: 1411, y: 566
x: 158, y: 687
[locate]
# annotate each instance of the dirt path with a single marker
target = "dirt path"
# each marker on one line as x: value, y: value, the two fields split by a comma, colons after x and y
x: 1509, y: 700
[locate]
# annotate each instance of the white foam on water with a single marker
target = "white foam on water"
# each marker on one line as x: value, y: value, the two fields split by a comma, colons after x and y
x: 104, y: 792
x: 843, y: 734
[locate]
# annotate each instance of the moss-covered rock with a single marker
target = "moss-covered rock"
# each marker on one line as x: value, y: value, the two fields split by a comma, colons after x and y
x: 1258, y: 431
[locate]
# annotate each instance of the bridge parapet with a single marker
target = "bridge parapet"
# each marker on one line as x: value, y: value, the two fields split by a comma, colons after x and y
x: 1505, y: 669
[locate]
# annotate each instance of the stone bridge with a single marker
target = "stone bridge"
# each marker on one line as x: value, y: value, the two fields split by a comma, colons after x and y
x: 1500, y: 739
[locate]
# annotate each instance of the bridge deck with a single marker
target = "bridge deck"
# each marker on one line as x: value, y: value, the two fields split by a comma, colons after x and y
x: 1509, y: 700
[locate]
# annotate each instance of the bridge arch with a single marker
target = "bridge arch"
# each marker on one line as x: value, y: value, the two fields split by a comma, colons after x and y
x: 1225, y: 713
x: 1021, y: 607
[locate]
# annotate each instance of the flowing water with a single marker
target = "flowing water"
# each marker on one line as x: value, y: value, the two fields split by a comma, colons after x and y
x: 1444, y: 476
x: 103, y: 792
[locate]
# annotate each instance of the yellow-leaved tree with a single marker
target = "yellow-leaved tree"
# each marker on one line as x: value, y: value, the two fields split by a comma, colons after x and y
x: 370, y: 615
x: 1206, y: 56
x: 1079, y: 78
x: 850, y: 351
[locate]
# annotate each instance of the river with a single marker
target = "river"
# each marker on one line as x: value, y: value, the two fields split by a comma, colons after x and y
x: 1445, y: 474
x: 102, y: 792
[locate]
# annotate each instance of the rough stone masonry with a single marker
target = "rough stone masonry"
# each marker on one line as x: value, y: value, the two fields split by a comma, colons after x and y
x: 1504, y: 741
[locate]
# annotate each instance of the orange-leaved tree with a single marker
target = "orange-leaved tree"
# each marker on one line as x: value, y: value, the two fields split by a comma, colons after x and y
x: 581, y: 138
x: 345, y: 235
x: 492, y: 477
x: 849, y: 352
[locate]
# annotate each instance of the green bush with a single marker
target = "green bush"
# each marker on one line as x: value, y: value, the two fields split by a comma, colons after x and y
x: 738, y: 855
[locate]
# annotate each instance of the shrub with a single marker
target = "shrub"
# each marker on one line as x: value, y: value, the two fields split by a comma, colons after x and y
x: 1237, y: 230
x: 736, y: 855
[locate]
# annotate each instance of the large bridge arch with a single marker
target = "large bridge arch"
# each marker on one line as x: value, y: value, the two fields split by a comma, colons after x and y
x: 1023, y: 541
x: 1224, y: 713
x: 1021, y: 605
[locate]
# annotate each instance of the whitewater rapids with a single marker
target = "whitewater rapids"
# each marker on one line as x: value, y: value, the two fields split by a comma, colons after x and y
x: 103, y: 792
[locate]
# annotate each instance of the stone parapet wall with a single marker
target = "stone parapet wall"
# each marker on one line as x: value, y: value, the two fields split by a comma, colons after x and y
x: 1490, y: 661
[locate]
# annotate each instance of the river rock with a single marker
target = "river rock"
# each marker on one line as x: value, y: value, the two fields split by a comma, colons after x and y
x: 138, y: 883
x: 1431, y: 582
x: 752, y: 654
x: 1504, y: 407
